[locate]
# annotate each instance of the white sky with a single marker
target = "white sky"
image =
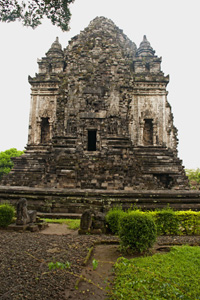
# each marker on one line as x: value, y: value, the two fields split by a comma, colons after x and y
x: 172, y: 27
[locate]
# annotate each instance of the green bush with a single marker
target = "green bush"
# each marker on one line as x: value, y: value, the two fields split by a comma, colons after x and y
x: 167, y: 222
x: 112, y: 218
x: 189, y: 222
x: 137, y: 231
x: 194, y: 178
x: 7, y: 213
x: 6, y: 163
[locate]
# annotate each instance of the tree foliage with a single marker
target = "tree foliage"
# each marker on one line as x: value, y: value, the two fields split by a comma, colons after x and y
x: 194, y: 177
x: 31, y: 12
x: 6, y: 163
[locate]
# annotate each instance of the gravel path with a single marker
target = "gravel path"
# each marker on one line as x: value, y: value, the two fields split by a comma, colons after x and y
x: 24, y: 259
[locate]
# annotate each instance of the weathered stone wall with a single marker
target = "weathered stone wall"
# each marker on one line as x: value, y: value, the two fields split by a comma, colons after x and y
x: 76, y: 201
x: 100, y: 118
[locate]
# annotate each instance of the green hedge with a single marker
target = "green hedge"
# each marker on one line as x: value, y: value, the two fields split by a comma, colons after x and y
x: 137, y: 231
x: 171, y: 222
x: 189, y: 222
x: 168, y: 222
x: 7, y: 213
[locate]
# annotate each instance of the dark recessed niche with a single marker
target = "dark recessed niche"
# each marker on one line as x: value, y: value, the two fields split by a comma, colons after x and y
x: 92, y: 140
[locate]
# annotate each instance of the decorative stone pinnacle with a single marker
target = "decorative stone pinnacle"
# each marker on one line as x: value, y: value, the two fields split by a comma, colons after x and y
x: 56, y: 44
x: 56, y: 49
x: 145, y: 48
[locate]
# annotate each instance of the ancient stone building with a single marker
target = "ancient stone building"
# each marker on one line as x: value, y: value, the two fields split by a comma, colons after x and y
x: 100, y: 118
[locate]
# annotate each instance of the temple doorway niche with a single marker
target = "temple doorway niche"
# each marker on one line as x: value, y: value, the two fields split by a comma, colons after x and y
x: 165, y: 180
x: 92, y: 140
x: 148, y: 132
x: 45, y: 130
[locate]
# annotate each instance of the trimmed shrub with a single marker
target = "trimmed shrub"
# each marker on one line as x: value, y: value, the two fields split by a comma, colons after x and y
x: 112, y: 218
x: 176, y: 222
x: 7, y: 213
x: 189, y: 222
x: 167, y: 222
x: 137, y: 231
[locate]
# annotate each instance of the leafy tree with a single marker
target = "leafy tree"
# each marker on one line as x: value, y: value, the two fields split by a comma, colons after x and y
x: 194, y: 177
x: 6, y: 163
x: 31, y: 12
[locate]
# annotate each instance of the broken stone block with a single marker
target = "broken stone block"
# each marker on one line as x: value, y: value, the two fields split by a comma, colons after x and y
x: 23, y: 215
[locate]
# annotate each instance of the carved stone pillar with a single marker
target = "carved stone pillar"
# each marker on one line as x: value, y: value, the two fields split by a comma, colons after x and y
x: 37, y: 138
x: 50, y: 129
x: 141, y: 133
x: 131, y: 129
x: 154, y: 133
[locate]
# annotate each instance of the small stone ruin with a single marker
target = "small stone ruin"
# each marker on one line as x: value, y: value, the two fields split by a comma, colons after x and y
x: 24, y: 216
x: 92, y: 222
x: 26, y: 219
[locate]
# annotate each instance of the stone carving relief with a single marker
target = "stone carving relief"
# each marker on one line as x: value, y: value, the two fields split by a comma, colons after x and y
x: 113, y: 126
x: 114, y: 103
x: 94, y: 103
x: 71, y: 126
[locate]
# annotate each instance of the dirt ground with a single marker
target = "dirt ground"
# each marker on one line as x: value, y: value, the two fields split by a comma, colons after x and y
x: 24, y: 258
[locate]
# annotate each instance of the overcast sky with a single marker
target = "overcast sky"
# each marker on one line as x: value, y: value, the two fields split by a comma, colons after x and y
x: 172, y: 27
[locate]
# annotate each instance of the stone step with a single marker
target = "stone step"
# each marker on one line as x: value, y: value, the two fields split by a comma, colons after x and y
x: 152, y: 149
x: 157, y: 158
x: 154, y: 154
x: 59, y: 215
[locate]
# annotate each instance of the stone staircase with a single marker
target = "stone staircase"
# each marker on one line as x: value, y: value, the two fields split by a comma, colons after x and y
x: 67, y: 142
x: 119, y: 145
x: 29, y: 169
x: 163, y: 164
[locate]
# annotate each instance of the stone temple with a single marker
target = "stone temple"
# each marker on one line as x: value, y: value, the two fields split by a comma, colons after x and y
x: 100, y: 118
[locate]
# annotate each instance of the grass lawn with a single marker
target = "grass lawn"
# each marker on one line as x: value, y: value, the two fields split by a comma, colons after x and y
x: 175, y: 275
x: 71, y: 223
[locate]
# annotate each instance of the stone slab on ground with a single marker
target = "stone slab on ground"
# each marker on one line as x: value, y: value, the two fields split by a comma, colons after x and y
x: 58, y: 215
x: 30, y: 227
